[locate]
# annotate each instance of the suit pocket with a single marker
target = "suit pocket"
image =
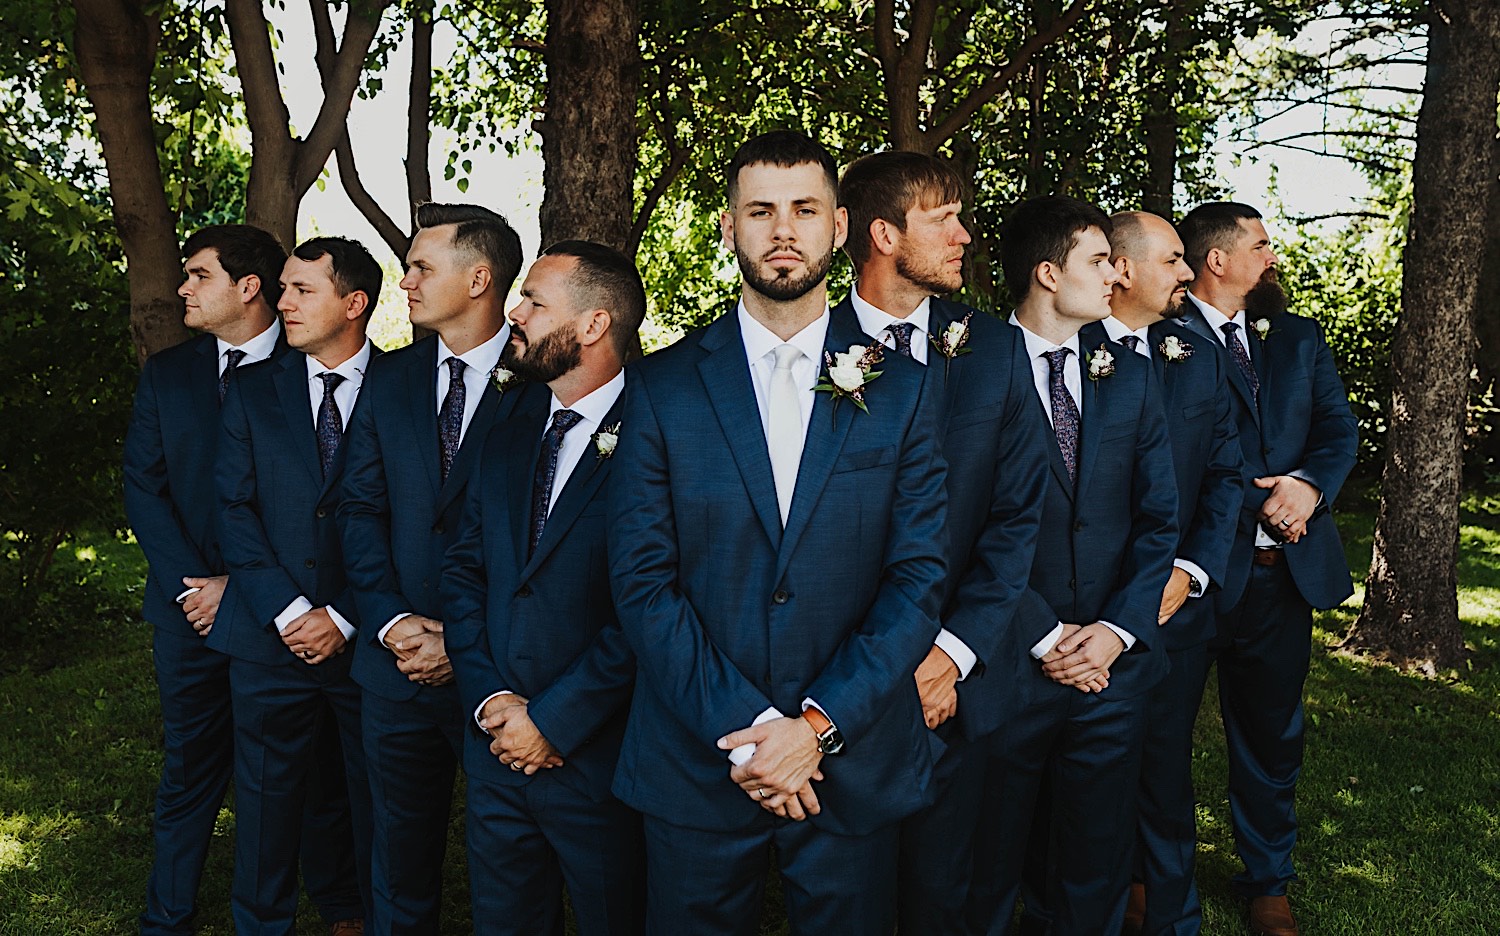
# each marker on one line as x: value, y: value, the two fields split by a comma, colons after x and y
x: 1198, y: 410
x: 868, y: 458
x: 976, y: 416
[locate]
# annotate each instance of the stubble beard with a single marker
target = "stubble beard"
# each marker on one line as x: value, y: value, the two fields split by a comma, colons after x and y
x: 933, y: 279
x: 783, y: 287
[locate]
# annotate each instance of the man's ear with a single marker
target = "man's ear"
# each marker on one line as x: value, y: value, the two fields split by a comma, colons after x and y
x: 883, y: 237
x: 726, y: 230
x: 249, y: 286
x: 358, y: 302
x: 840, y: 226
x: 479, y: 281
x: 596, y: 326
x: 1125, y: 268
x: 1045, y: 276
x: 1215, y: 261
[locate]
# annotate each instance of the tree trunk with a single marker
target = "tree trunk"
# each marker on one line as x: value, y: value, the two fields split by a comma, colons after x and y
x: 1159, y: 126
x: 116, y: 47
x: 1411, y: 596
x: 593, y: 63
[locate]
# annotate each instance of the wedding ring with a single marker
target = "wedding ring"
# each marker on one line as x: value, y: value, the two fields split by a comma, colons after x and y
x: 515, y: 765
x: 762, y: 792
x: 1286, y: 523
x: 307, y: 654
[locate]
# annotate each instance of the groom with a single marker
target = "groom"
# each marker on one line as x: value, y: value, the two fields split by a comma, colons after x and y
x: 776, y: 553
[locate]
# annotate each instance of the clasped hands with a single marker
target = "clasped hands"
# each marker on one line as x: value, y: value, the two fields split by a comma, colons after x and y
x: 1082, y: 656
x: 515, y: 739
x: 417, y: 642
x: 202, y: 606
x: 1289, y: 505
x: 314, y: 637
x: 780, y: 774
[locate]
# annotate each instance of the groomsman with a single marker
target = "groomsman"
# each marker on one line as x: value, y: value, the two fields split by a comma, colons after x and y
x: 287, y: 613
x: 777, y: 557
x: 1149, y: 301
x: 907, y: 243
x: 413, y: 441
x: 1087, y: 648
x: 542, y: 662
x: 1299, y: 441
x: 229, y: 290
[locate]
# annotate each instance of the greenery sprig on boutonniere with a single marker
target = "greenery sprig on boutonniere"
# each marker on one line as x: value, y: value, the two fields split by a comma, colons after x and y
x: 1175, y: 350
x: 1262, y: 328
x: 951, y: 343
x: 847, y: 373
x: 503, y: 378
x: 1101, y: 364
x: 605, y: 441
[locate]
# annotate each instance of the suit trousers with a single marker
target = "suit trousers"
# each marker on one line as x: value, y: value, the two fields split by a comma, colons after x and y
x: 936, y: 856
x: 1263, y: 652
x: 711, y: 883
x: 527, y: 841
x: 411, y: 750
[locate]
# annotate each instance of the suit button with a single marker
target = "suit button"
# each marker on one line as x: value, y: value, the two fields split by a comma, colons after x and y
x: 1077, y: 526
x: 322, y: 513
x: 437, y: 528
x: 1072, y: 584
x: 310, y: 563
x: 766, y: 679
x: 781, y: 597
x: 524, y: 591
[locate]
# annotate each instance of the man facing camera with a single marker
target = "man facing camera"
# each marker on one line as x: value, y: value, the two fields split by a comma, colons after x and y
x: 288, y: 614
x: 541, y: 660
x: 413, y: 442
x: 777, y: 557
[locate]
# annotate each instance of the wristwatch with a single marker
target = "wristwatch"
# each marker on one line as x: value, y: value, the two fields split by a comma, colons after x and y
x: 830, y: 740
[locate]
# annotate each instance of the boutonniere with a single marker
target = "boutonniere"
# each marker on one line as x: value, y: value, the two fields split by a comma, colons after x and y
x: 1101, y: 364
x: 847, y: 373
x: 503, y: 378
x: 1175, y: 350
x: 605, y: 441
x: 950, y: 344
x: 1262, y: 328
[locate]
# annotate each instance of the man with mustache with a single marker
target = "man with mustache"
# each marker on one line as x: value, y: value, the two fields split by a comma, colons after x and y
x: 777, y: 556
x: 1299, y: 441
x: 1145, y: 312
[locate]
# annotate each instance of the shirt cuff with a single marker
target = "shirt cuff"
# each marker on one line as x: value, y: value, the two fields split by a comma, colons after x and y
x: 392, y: 623
x: 957, y: 651
x: 186, y: 594
x: 1196, y: 573
x: 293, y: 611
x: 480, y: 709
x: 1044, y: 646
x: 1126, y: 637
x: 744, y: 752
x: 344, y: 626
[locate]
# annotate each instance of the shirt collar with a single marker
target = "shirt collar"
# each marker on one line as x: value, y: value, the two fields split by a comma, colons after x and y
x: 761, y: 341
x: 484, y: 357
x: 1036, y: 345
x: 1117, y: 329
x: 594, y: 406
x: 874, y: 320
x: 352, y: 370
x: 256, y: 349
x: 1214, y: 316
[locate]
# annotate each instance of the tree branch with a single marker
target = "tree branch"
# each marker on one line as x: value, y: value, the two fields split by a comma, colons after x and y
x: 338, y: 88
x: 885, y: 35
x: 265, y: 111
x: 419, y: 110
x: 389, y: 231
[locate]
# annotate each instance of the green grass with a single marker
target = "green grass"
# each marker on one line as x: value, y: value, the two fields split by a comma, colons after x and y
x: 1399, y: 800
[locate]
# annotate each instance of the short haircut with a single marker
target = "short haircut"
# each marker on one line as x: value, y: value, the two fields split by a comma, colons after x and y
x: 243, y: 249
x: 1043, y: 230
x: 482, y: 232
x: 1127, y: 237
x: 607, y: 279
x: 1210, y: 226
x: 785, y: 148
x: 354, y: 270
x: 888, y: 185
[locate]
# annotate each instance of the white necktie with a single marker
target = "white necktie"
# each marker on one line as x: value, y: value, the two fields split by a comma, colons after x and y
x: 785, y: 436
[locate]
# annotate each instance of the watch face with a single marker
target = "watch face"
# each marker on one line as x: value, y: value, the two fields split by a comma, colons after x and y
x: 831, y: 742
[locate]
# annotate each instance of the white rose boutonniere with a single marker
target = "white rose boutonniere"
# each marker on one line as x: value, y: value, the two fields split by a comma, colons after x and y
x: 1101, y: 364
x: 950, y: 344
x: 846, y: 373
x: 503, y: 378
x: 1262, y: 328
x: 605, y: 441
x: 1175, y: 350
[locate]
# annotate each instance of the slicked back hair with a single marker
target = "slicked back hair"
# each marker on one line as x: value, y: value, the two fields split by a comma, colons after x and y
x: 785, y: 148
x: 607, y: 279
x: 482, y: 232
x: 1044, y: 230
x: 243, y: 249
x: 354, y: 270
x: 1212, y: 225
x: 888, y: 185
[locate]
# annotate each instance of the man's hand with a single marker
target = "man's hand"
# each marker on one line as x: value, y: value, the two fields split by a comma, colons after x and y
x: 786, y: 759
x: 1174, y: 595
x: 518, y: 743
x: 409, y: 627
x: 314, y: 637
x: 1289, y: 505
x: 202, y: 606
x: 1080, y: 658
x: 427, y: 658
x: 937, y: 684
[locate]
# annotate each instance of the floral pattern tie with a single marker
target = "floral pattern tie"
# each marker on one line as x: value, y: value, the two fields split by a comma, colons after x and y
x: 1064, y: 410
x: 1133, y: 342
x: 451, y: 416
x: 330, y: 423
x: 546, y: 472
x: 232, y: 357
x: 902, y: 331
x: 1241, y: 357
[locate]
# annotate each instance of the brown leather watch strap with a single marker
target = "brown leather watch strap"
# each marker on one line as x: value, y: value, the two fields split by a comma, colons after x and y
x: 817, y: 719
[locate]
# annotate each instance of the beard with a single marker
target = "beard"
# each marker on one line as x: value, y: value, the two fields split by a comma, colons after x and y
x: 781, y: 285
x: 934, y: 278
x: 1266, y: 299
x: 1177, y: 306
x: 556, y: 353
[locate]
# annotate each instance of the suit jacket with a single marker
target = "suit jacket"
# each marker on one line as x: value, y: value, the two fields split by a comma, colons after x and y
x: 169, y: 470
x: 394, y: 494
x: 276, y: 515
x: 729, y: 614
x: 1301, y: 426
x: 542, y: 626
x: 1209, y: 469
x: 1107, y: 543
x: 993, y: 437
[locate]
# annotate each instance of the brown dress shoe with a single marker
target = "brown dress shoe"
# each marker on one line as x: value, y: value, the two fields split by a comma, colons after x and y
x: 347, y: 928
x: 1272, y: 916
x: 1135, y: 908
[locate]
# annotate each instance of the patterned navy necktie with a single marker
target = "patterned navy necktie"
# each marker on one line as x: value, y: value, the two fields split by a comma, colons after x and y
x: 451, y: 416
x: 902, y: 331
x: 1064, y: 411
x: 1241, y: 357
x: 546, y: 472
x: 1132, y: 342
x: 233, y: 357
x: 330, y: 423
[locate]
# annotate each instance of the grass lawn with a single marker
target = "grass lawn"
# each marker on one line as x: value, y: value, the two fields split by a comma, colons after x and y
x: 1399, y: 800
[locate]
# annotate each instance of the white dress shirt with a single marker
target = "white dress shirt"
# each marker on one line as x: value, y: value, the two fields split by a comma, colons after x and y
x: 874, y: 321
x: 344, y: 395
x: 1041, y: 373
x: 1117, y: 330
x: 257, y: 349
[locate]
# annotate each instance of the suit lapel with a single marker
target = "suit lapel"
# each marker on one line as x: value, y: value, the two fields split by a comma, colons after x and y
x: 525, y: 436
x: 576, y: 494
x: 1096, y: 402
x: 1195, y: 320
x: 296, y: 408
x: 205, y: 376
x: 468, y: 449
x: 421, y: 405
x: 726, y: 377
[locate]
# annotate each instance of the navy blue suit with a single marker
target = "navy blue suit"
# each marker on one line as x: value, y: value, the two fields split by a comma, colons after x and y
x: 993, y: 442
x: 730, y: 615
x: 393, y: 494
x: 280, y: 540
x: 1209, y: 469
x: 1104, y: 554
x: 543, y: 627
x: 1300, y: 425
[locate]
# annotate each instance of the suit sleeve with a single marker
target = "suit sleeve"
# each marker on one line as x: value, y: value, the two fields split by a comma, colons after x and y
x: 1136, y: 600
x: 709, y: 695
x: 589, y: 694
x: 364, y: 516
x: 1207, y: 542
x: 1333, y: 435
x: 465, y: 596
x: 148, y: 502
x: 877, y: 660
x: 248, y: 553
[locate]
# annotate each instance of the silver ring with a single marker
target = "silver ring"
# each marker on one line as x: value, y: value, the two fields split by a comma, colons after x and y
x: 515, y: 765
x: 1286, y: 523
x: 762, y: 792
x: 307, y: 654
